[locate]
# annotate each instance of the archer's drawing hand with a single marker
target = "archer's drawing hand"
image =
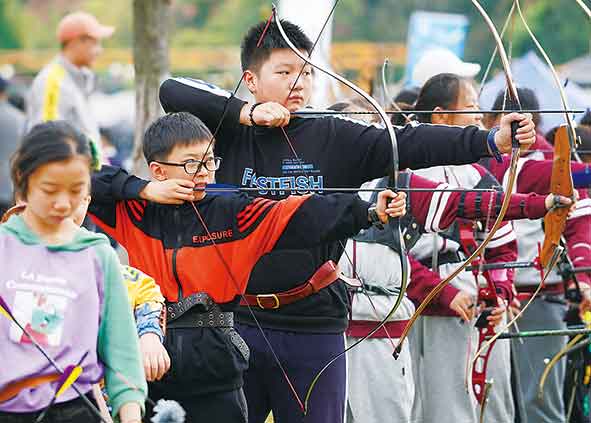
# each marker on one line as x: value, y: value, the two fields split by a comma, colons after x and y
x: 463, y: 305
x: 169, y: 191
x: 496, y: 315
x: 269, y: 114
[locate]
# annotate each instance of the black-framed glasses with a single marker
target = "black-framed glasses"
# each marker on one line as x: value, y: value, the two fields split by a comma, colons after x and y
x: 193, y: 166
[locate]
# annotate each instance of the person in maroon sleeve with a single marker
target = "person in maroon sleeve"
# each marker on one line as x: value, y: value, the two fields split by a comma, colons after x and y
x: 548, y: 309
x: 443, y: 253
x: 329, y: 152
x: 372, y: 257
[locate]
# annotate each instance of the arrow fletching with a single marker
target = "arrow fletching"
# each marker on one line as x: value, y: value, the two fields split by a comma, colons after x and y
x: 5, y: 310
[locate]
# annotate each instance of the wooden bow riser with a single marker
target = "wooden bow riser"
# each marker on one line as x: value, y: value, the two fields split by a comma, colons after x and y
x: 560, y: 184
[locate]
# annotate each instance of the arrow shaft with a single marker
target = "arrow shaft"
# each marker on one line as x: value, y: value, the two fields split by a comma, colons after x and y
x: 508, y: 265
x: 57, y: 367
x: 541, y: 333
x: 423, y: 112
x: 344, y: 189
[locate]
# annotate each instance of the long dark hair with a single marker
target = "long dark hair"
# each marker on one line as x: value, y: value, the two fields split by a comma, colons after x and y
x: 442, y: 90
x: 45, y: 143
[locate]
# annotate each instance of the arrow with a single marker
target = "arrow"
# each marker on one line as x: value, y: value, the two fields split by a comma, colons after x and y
x: 313, y: 113
x: 215, y: 188
x: 507, y: 265
x: 571, y: 330
x: 5, y: 311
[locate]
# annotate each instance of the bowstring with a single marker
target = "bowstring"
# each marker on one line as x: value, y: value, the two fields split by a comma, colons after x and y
x: 216, y: 247
x: 302, y: 167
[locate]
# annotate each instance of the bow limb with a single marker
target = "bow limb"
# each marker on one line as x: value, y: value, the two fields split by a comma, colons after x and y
x: 561, y: 183
x: 505, y: 205
x: 394, y: 224
x: 501, y: 50
x: 584, y: 7
x: 554, y: 222
x: 555, y: 76
x: 494, y: 54
x: 386, y: 93
x: 388, y: 99
x: 564, y: 351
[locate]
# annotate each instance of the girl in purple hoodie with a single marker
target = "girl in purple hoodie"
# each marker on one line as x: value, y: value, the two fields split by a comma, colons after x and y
x: 63, y: 293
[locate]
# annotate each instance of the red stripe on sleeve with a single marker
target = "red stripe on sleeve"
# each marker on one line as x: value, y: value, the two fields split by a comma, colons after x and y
x: 250, y: 206
x: 242, y: 227
x: 253, y: 210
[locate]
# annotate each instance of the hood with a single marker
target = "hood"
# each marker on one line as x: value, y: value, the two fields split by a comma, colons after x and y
x: 82, y: 240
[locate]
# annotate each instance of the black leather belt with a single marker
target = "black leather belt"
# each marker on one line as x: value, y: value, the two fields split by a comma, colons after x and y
x: 215, y: 318
x: 200, y: 301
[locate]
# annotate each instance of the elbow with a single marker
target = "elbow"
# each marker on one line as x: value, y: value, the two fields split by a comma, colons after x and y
x: 164, y: 93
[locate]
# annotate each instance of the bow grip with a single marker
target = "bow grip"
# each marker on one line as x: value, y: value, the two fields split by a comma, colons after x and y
x: 481, y: 321
x: 514, y: 106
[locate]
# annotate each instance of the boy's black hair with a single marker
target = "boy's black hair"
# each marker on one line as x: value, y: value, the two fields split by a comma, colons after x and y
x: 252, y: 57
x: 47, y: 142
x: 442, y: 90
x: 407, y: 95
x: 171, y: 130
x: 527, y: 99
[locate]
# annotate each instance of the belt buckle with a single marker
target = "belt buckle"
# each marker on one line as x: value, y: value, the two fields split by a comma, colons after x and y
x: 275, y: 306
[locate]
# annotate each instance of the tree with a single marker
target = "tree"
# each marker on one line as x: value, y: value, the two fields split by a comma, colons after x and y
x: 9, y: 30
x: 150, y: 55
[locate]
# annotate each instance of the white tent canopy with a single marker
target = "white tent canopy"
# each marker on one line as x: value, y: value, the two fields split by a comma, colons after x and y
x: 531, y: 72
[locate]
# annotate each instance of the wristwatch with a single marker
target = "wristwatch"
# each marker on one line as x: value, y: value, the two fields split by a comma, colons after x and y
x: 372, y: 216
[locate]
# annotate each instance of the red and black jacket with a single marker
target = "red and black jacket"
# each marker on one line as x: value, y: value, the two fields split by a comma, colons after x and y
x: 170, y: 244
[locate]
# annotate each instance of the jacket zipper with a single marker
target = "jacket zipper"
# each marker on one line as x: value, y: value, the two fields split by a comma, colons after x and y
x: 176, y: 218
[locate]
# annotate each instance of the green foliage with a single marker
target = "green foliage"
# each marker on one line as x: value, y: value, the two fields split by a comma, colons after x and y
x: 10, y: 28
x: 560, y: 26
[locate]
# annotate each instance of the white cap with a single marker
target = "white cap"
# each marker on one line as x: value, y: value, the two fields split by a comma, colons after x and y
x: 441, y: 60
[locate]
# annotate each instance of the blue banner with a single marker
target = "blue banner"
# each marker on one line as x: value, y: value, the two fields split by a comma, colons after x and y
x: 427, y: 30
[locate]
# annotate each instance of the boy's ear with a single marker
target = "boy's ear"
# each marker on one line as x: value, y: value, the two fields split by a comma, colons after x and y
x: 157, y: 171
x: 251, y: 80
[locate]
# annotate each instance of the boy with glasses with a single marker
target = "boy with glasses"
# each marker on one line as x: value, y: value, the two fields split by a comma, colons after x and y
x: 202, y: 251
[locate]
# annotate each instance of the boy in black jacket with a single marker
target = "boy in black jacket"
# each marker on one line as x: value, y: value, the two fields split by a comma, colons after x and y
x: 202, y: 251
x: 330, y: 152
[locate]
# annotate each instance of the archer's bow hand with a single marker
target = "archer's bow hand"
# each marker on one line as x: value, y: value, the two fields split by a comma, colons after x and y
x: 390, y: 204
x: 270, y: 114
x: 526, y: 133
x: 554, y: 201
x: 585, y: 306
x: 169, y: 191
x: 496, y: 315
x: 514, y: 307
